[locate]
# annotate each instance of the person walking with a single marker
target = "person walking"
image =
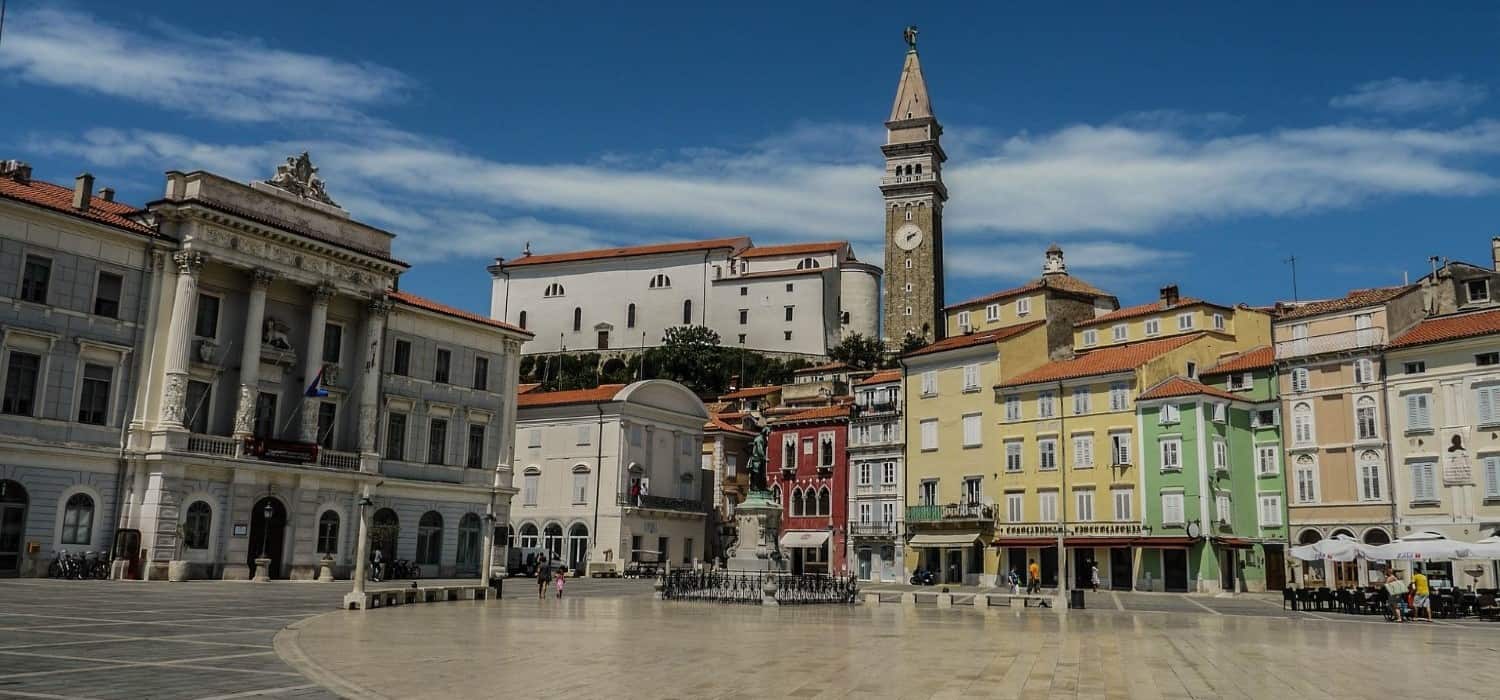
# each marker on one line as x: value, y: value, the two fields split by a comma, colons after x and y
x: 1034, y: 584
x: 1094, y: 575
x: 543, y: 575
x: 375, y: 565
x: 1395, y: 591
x: 1421, y: 602
x: 559, y: 578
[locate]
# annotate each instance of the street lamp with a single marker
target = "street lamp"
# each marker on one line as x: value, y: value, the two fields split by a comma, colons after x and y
x: 265, y: 531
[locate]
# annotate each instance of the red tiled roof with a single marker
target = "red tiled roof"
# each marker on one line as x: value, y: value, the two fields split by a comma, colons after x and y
x: 1062, y: 283
x: 825, y: 367
x: 821, y: 413
x: 1141, y: 310
x: 599, y: 394
x: 750, y: 392
x: 972, y: 339
x: 793, y: 249
x: 1179, y: 386
x: 1255, y: 358
x: 764, y: 274
x: 1356, y: 299
x: 60, y: 199
x: 524, y: 388
x: 1104, y: 361
x: 718, y: 423
x: 735, y: 243
x: 444, y: 309
x: 1437, y: 330
x: 882, y: 377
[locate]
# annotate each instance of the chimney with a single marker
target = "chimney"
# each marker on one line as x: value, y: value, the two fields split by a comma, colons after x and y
x: 107, y: 194
x: 83, y: 191
x: 1495, y: 247
x: 1169, y: 295
x: 16, y: 170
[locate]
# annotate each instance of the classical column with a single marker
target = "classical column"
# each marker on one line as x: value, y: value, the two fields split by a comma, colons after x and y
x: 244, y: 412
x: 179, y: 336
x: 361, y: 549
x: 369, y: 384
x: 312, y: 359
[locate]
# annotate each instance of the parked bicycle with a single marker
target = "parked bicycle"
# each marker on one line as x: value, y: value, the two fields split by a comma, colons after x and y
x: 89, y: 565
x: 402, y: 568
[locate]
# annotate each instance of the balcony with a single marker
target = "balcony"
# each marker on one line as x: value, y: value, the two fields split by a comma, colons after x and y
x: 1343, y: 341
x: 874, y: 489
x: 877, y: 408
x: 951, y: 513
x: 661, y: 503
x: 276, y: 451
x: 904, y: 179
x: 877, y: 529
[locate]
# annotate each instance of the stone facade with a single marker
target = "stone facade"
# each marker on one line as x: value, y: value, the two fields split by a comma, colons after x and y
x: 914, y: 195
x: 876, y: 479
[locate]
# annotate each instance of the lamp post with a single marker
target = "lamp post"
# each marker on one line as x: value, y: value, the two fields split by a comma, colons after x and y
x: 262, y: 562
x: 356, y: 598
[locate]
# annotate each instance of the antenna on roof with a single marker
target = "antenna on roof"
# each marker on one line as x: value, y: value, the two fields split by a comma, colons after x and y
x: 1292, y: 260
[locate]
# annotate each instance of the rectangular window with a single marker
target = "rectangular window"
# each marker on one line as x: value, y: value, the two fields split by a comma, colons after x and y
x: 1012, y: 408
x: 1120, y: 332
x: 475, y: 457
x: 1221, y: 412
x: 1119, y: 447
x: 585, y: 434
x: 971, y: 378
x: 927, y: 495
x: 36, y: 275
x: 327, y: 421
x: 1047, y: 502
x: 1270, y: 510
x: 972, y: 430
x: 1487, y: 404
x: 1083, y: 451
x: 888, y: 473
x: 195, y: 409
x: 1119, y: 396
x: 1192, y: 370
x: 1013, y: 456
x: 1023, y: 306
x: 1305, y: 478
x: 1300, y: 377
x: 789, y: 452
x: 1014, y: 507
x: 888, y: 513
x: 1364, y: 371
x: 1418, y: 411
x: 1171, y: 509
x: 93, y: 400
x: 865, y: 473
x: 1266, y: 457
x: 1171, y: 455
x: 929, y: 383
x: 333, y: 342
x: 1263, y: 418
x: 929, y: 434
x: 440, y: 368
x: 1153, y: 327
x: 1369, y: 479
x: 1080, y: 400
x: 395, y: 436
x: 963, y: 321
x: 107, y: 295
x: 744, y: 291
x: 1090, y: 338
x: 992, y: 312
x: 1083, y: 500
x: 534, y: 438
x: 482, y: 373
x: 1044, y: 407
x: 580, y: 487
x: 1477, y: 290
x: 1218, y: 322
x: 1487, y: 359
x: 1184, y: 322
x: 744, y: 317
x: 529, y: 484
x: 1222, y: 508
x: 206, y: 317
x: 401, y: 359
x: 1047, y: 454
x: 265, y: 415
x: 1424, y: 481
x: 437, y: 441
x: 1491, y: 468
x: 1123, y: 501
x: 865, y: 513
x: 973, y: 490
x: 1364, y: 423
x: 1418, y: 367
x: 1168, y: 415
x: 789, y: 313
x: 1221, y: 456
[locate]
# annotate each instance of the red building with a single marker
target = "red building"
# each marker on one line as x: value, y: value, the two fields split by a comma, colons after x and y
x: 808, y: 473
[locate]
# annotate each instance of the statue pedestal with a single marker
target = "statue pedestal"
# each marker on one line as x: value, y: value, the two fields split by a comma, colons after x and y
x: 757, y: 522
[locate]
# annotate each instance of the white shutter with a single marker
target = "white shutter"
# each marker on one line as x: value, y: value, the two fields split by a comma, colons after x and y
x: 971, y: 377
x: 1491, y: 477
x: 1488, y: 398
x: 971, y: 431
x: 929, y: 435
x: 929, y: 382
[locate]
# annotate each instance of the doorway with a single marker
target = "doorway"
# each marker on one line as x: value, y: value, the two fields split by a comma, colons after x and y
x: 953, y: 572
x: 13, y: 502
x: 1174, y: 570
x: 1228, y: 568
x: 1120, y: 569
x: 1049, y: 567
x: 1275, y: 567
x: 863, y: 557
x: 1015, y: 561
x: 267, y: 533
x: 466, y: 559
x: 385, y: 528
x: 1083, y: 568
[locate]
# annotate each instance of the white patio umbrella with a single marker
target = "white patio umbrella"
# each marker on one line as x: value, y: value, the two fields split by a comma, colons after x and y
x: 1418, y: 547
x: 1487, y: 548
x: 1336, y: 548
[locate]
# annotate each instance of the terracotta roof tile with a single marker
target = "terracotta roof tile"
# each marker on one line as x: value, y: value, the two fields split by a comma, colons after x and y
x: 525, y: 388
x: 599, y: 394
x: 718, y: 423
x: 1437, y: 330
x: 735, y: 243
x: 444, y: 309
x: 1180, y: 386
x: 825, y: 367
x: 750, y: 392
x: 1356, y: 299
x: 969, y: 340
x: 60, y: 199
x: 1141, y: 310
x: 1259, y: 357
x: 1064, y: 283
x: 821, y: 413
x: 1104, y: 361
x: 767, y: 251
x: 882, y: 377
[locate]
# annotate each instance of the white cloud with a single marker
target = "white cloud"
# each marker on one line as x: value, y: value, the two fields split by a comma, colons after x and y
x: 228, y: 78
x: 1022, y: 260
x: 1403, y: 96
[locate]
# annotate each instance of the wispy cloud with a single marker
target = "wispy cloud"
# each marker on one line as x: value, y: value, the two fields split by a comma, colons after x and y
x: 1016, y: 260
x: 1399, y: 96
x: 228, y: 78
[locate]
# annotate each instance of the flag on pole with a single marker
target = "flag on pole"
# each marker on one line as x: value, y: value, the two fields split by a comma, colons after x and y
x: 316, y: 390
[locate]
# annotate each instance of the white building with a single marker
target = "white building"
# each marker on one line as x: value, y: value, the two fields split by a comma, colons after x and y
x: 799, y: 299
x: 612, y: 475
x: 876, y: 492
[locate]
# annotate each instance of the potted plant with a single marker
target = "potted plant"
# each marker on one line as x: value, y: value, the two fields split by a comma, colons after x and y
x: 177, y: 568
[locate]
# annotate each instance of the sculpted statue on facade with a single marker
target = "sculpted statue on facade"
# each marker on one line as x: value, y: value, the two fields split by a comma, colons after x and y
x: 300, y: 177
x: 273, y: 332
x: 173, y: 397
x: 244, y: 412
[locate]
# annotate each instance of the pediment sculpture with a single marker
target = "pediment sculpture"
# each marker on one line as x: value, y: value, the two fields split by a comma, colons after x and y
x: 273, y: 332
x: 300, y: 177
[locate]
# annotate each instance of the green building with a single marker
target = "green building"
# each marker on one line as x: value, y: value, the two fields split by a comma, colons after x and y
x: 1212, y: 485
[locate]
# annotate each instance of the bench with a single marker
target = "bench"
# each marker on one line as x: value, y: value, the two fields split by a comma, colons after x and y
x: 388, y: 597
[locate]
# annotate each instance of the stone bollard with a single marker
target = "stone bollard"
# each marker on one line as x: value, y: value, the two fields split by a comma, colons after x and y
x: 872, y: 599
x: 908, y: 598
x: 325, y: 570
x: 768, y: 592
x: 945, y: 600
x: 262, y: 570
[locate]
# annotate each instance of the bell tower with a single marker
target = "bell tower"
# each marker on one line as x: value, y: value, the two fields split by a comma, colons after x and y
x: 913, y: 190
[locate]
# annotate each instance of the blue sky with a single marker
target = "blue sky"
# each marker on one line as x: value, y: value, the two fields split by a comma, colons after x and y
x: 1157, y: 143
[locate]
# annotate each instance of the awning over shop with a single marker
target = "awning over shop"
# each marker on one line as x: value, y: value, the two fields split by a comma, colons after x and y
x: 1071, y: 542
x: 1234, y: 542
x: 944, y: 539
x: 804, y: 538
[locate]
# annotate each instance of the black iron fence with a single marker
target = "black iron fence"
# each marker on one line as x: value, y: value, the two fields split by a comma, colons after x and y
x: 686, y: 505
x: 750, y: 587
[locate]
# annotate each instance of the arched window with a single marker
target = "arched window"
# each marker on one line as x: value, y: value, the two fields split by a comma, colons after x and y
x: 660, y: 281
x: 553, y: 290
x: 908, y: 266
x: 687, y: 312
x: 578, y: 546
x: 1302, y: 424
x: 1370, y: 465
x: 577, y: 318
x: 1364, y: 419
x: 521, y: 321
x: 1377, y: 536
x: 328, y: 532
x: 531, y: 478
x: 908, y: 213
x: 825, y: 502
x: 552, y: 539
x: 467, y: 557
x: 387, y: 527
x: 430, y: 538
x: 808, y: 264
x: 196, y: 525
x: 630, y: 316
x: 776, y: 494
x: 580, y: 484
x: 529, y: 536
x: 1309, y: 537
x: 78, y: 520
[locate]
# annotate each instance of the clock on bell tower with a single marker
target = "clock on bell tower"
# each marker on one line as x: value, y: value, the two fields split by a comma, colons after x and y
x: 913, y: 190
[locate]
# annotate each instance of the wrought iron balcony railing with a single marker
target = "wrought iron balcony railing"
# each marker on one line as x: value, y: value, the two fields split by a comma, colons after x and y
x: 876, y: 529
x: 651, y: 502
x: 952, y: 512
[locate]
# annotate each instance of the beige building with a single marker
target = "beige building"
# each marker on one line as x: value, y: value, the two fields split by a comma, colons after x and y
x: 1336, y: 428
x: 1443, y: 389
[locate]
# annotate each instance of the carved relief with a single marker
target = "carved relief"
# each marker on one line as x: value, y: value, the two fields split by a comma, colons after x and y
x: 244, y: 411
x: 261, y: 278
x: 273, y: 332
x: 189, y: 262
x: 300, y: 177
x: 379, y: 306
x: 322, y: 293
x: 173, y: 396
x: 309, y: 420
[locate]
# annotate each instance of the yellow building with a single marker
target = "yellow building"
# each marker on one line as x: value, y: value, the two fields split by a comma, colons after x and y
x: 1056, y: 297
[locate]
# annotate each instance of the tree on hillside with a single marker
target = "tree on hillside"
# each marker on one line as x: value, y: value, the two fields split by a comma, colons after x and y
x: 911, y: 342
x: 858, y: 351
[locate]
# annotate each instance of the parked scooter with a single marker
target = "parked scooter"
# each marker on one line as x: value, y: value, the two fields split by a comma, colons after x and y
x: 923, y: 577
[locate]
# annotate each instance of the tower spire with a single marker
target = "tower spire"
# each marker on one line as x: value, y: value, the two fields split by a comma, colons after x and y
x: 911, y: 92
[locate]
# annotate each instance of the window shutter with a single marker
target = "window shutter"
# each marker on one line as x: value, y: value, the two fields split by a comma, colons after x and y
x: 1492, y: 476
x: 1489, y: 402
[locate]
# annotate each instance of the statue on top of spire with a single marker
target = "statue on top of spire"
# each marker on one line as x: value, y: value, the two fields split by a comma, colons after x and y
x: 910, y: 35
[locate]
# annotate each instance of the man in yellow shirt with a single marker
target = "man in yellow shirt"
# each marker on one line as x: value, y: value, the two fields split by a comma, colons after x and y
x: 1420, y: 603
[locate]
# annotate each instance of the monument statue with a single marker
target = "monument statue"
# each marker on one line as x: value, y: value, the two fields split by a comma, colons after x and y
x: 910, y: 35
x: 300, y: 177
x: 757, y: 463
